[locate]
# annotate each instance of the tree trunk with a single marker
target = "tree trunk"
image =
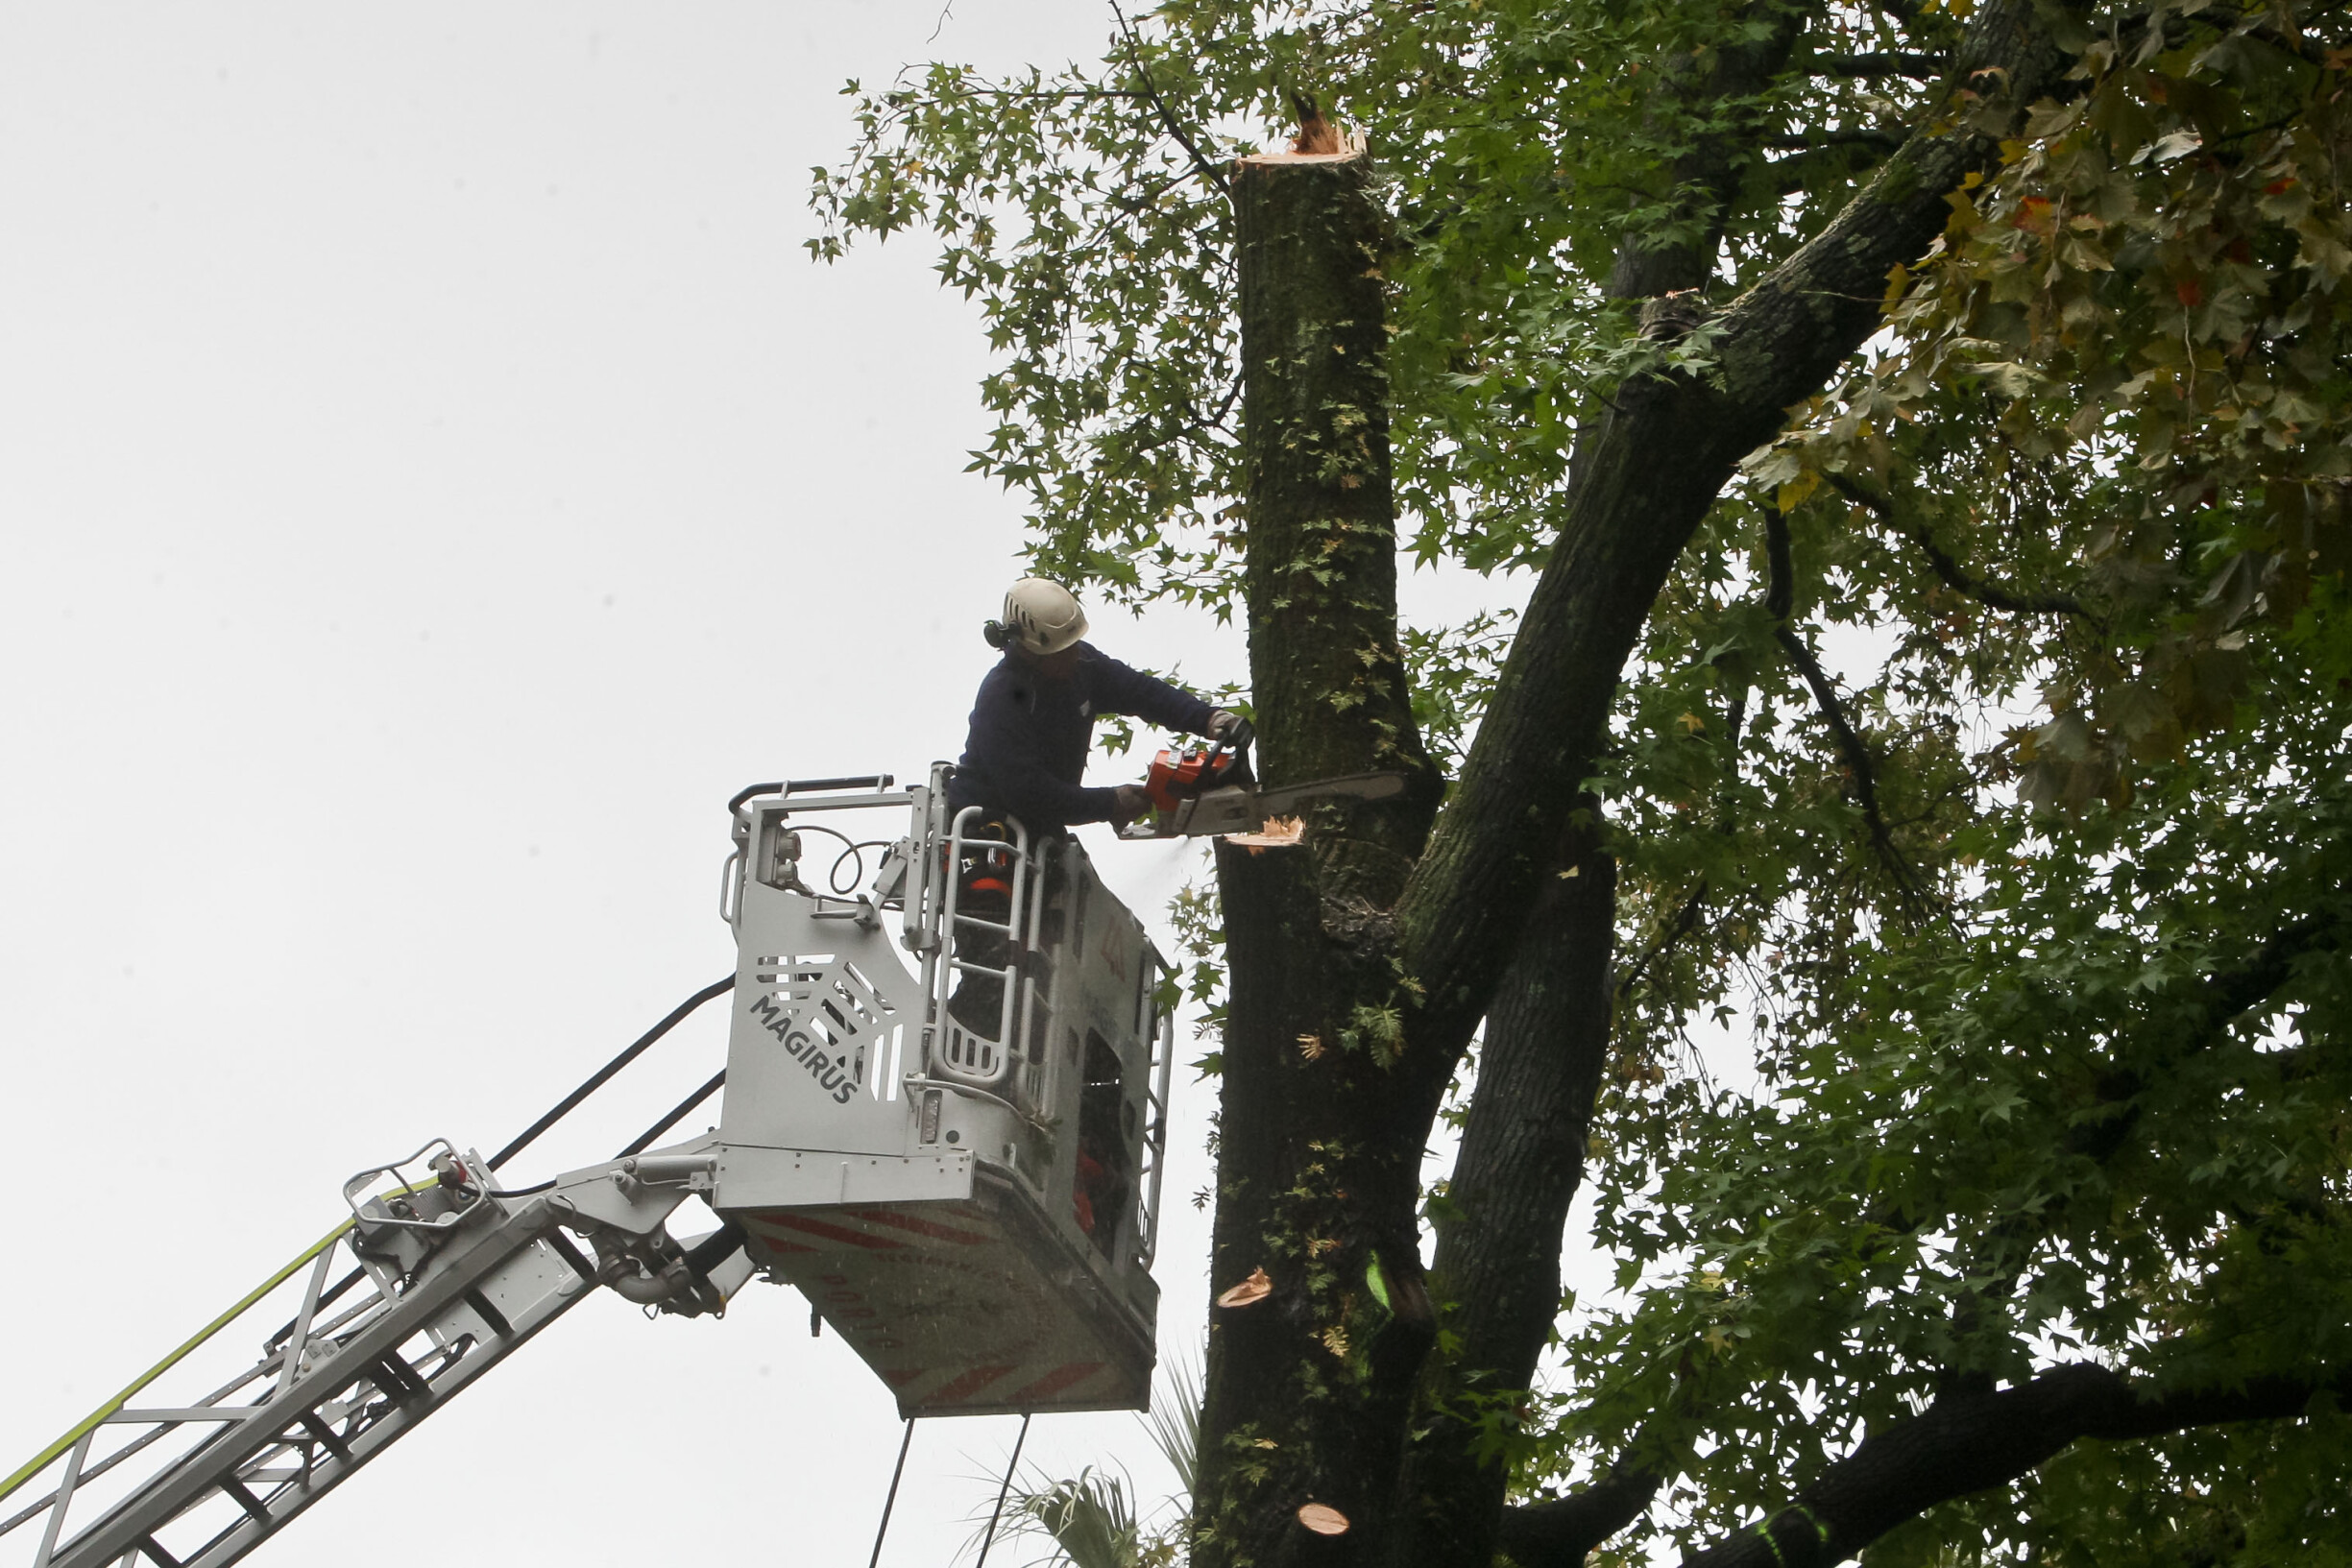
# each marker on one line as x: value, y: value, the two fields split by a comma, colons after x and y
x: 1318, y: 1160
x: 1363, y: 958
x: 1496, y: 1278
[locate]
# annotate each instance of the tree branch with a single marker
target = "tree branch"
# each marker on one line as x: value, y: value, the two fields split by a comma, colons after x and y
x: 1686, y: 918
x: 1793, y: 172
x: 2219, y: 1000
x: 1496, y: 1271
x: 1885, y: 62
x: 1995, y: 1256
x: 1779, y: 596
x: 1705, y: 179
x: 1955, y: 576
x: 1967, y: 1444
x: 1208, y: 171
x: 1638, y: 488
x: 1560, y: 1532
x: 1859, y: 136
x: 1557, y: 1535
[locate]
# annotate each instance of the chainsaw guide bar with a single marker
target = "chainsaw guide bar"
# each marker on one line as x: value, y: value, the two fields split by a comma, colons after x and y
x: 1243, y: 807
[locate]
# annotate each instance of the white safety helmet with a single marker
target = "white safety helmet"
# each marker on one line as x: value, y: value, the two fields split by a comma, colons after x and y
x: 1041, y: 616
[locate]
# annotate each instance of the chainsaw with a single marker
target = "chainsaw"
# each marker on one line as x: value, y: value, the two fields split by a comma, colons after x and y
x: 1202, y: 793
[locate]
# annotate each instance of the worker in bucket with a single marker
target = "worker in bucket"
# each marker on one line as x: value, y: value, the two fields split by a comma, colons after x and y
x: 1034, y: 722
x: 1025, y: 755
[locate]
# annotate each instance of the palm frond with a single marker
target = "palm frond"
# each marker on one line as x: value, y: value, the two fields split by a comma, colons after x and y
x: 1174, y: 1421
x: 1091, y: 1518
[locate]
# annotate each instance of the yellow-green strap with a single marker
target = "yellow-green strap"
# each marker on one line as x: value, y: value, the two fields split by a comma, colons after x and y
x: 91, y: 1422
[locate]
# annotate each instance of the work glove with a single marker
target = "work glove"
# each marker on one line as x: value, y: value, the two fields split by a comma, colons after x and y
x: 1132, y: 802
x: 1232, y: 728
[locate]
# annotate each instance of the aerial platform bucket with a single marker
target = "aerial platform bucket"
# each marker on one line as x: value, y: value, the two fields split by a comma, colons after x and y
x: 945, y: 1114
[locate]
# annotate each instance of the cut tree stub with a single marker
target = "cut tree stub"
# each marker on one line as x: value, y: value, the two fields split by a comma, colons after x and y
x: 1351, y: 146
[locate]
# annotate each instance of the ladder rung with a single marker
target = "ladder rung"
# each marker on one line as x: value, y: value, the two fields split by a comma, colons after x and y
x: 246, y: 1500
x: 325, y: 1434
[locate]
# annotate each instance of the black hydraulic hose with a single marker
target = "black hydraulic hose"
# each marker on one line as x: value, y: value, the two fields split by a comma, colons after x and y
x: 859, y: 780
x: 745, y: 794
x: 564, y: 1107
x: 685, y: 1108
x: 796, y: 786
x: 716, y: 1248
x: 598, y: 1079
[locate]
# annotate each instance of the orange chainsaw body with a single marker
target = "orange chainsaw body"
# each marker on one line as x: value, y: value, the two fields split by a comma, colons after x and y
x: 1174, y: 777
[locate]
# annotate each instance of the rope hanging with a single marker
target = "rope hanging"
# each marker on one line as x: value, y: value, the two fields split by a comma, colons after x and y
x: 990, y: 1539
x: 891, y: 1501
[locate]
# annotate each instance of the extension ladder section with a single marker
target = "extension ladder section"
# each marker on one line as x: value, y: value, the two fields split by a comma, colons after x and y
x: 944, y: 1123
x: 200, y: 1477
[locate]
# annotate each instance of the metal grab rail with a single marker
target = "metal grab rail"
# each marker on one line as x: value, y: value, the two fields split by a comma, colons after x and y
x: 1155, y: 1124
x: 98, y: 1418
x: 1017, y: 997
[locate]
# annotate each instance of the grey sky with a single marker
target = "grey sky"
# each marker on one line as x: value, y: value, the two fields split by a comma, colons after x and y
x: 432, y: 478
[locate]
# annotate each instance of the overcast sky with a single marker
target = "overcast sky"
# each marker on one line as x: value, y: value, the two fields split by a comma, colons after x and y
x: 432, y: 479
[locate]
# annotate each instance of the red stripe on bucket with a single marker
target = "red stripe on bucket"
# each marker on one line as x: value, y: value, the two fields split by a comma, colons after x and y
x: 834, y: 1233
x: 1055, y: 1381
x: 920, y: 1227
x: 963, y: 1387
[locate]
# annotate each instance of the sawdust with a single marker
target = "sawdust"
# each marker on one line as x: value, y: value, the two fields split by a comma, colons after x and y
x: 1278, y: 833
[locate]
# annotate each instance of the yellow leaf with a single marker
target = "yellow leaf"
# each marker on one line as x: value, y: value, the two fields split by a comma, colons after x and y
x: 1792, y: 495
x: 1898, y: 285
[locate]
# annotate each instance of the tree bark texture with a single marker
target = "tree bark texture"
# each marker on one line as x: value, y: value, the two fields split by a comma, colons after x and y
x: 1496, y: 1277
x: 1705, y: 181
x: 1321, y: 571
x: 1318, y: 1163
x: 1497, y: 1281
x: 1962, y: 1445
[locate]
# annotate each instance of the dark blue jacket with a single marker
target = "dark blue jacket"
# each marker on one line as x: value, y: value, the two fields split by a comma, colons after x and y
x: 1027, y: 750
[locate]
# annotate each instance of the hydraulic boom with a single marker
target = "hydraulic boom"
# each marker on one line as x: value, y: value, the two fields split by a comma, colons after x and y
x: 945, y: 1106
